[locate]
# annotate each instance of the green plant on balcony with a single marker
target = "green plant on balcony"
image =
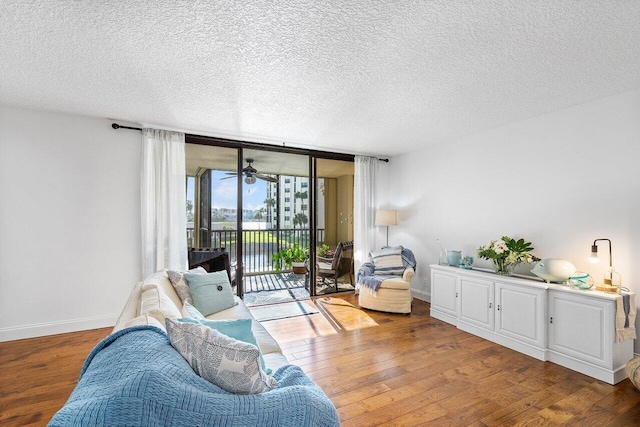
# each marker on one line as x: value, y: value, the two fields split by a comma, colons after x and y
x: 324, y: 250
x: 289, y: 256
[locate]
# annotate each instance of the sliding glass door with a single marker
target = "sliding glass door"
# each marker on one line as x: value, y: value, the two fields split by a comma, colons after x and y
x: 334, y: 224
x: 271, y: 211
x: 276, y: 227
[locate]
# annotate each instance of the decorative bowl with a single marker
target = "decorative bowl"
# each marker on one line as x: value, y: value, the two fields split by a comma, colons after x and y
x: 554, y: 270
x: 581, y: 280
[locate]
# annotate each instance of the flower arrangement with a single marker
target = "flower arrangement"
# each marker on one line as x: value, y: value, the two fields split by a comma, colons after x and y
x: 506, y: 253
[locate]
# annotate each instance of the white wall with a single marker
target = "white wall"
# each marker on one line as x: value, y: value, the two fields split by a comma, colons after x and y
x: 69, y: 222
x: 559, y: 181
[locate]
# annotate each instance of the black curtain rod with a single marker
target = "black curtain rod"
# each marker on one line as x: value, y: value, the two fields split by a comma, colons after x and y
x: 117, y: 126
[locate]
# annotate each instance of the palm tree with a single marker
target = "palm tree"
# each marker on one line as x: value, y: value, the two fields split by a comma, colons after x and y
x: 301, y: 195
x: 300, y: 219
x: 270, y: 202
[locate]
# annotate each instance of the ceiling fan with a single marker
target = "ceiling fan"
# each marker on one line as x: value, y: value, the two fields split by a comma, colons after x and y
x: 250, y: 174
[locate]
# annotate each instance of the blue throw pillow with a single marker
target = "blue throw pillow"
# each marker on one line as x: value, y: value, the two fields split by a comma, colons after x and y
x: 211, y: 292
x: 190, y: 311
x: 239, y: 329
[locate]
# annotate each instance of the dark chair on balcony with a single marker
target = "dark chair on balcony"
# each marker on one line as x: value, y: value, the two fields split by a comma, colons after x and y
x: 340, y: 264
x: 212, y: 259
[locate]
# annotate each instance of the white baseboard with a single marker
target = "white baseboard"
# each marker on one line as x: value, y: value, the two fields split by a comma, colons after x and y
x: 53, y: 328
x: 421, y: 295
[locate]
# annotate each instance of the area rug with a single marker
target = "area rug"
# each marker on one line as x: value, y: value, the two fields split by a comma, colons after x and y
x: 275, y: 297
x: 280, y: 311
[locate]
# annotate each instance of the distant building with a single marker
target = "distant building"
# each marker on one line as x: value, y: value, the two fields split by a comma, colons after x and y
x: 294, y: 199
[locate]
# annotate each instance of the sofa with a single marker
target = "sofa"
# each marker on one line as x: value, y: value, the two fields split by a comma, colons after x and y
x: 136, y: 377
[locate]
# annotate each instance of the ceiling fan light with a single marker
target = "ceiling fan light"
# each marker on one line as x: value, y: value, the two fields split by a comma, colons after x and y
x: 250, y: 179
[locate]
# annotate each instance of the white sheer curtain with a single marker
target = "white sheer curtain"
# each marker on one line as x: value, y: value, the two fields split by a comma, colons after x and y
x: 365, y: 202
x: 164, y: 238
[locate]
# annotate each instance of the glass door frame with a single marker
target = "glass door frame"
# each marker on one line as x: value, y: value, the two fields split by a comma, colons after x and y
x: 313, y: 156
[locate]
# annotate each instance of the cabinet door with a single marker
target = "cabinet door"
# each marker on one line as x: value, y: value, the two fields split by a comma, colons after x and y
x: 520, y: 313
x: 444, y: 292
x: 476, y: 302
x: 580, y: 327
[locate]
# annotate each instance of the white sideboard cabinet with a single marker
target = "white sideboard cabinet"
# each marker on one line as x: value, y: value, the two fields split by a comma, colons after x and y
x: 551, y: 322
x: 521, y: 316
x: 444, y: 297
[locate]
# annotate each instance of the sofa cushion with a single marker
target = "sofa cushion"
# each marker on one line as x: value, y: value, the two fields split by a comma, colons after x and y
x: 154, y: 299
x: 238, y: 311
x: 176, y: 278
x: 160, y: 280
x: 190, y: 311
x: 239, y: 329
x: 388, y: 261
x: 211, y: 292
x: 228, y: 363
x: 266, y: 342
x: 151, y: 318
x: 275, y: 361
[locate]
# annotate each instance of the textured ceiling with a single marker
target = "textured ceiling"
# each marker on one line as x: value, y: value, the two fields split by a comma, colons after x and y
x: 373, y: 77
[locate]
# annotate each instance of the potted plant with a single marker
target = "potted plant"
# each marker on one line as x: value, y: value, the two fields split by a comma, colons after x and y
x: 324, y: 250
x: 292, y: 257
x: 506, y: 254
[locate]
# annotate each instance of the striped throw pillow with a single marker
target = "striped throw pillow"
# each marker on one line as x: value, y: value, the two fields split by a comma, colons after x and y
x: 388, y: 261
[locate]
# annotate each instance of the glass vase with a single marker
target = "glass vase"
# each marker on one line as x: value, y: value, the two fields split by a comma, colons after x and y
x: 503, y: 268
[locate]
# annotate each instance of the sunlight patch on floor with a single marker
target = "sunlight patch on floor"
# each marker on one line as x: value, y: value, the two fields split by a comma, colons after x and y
x: 343, y: 315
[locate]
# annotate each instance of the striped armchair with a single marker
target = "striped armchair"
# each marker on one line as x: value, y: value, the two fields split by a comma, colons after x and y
x: 384, y: 284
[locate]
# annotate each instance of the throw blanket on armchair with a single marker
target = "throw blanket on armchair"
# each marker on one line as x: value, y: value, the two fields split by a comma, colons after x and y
x: 366, y: 277
x: 134, y: 377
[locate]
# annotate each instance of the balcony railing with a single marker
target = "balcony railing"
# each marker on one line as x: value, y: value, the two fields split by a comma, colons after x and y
x: 259, y: 245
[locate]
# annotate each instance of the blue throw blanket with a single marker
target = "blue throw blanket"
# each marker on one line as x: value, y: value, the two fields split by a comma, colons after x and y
x: 134, y: 377
x: 366, y: 277
x: 366, y: 273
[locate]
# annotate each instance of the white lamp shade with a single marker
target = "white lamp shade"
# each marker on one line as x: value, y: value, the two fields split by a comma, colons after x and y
x: 386, y: 217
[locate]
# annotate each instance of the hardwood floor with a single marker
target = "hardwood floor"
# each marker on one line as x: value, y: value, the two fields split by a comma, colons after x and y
x: 379, y: 369
x: 37, y: 375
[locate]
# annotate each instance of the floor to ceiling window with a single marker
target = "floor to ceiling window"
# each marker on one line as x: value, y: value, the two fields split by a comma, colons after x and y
x: 268, y: 208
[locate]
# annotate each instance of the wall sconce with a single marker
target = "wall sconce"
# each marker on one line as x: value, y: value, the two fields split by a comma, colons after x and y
x: 609, y: 286
x: 385, y: 218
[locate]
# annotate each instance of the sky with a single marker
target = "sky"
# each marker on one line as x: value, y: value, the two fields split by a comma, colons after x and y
x: 224, y: 192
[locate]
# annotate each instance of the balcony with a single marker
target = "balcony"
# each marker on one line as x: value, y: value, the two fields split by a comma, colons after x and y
x: 262, y: 285
x: 258, y: 245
